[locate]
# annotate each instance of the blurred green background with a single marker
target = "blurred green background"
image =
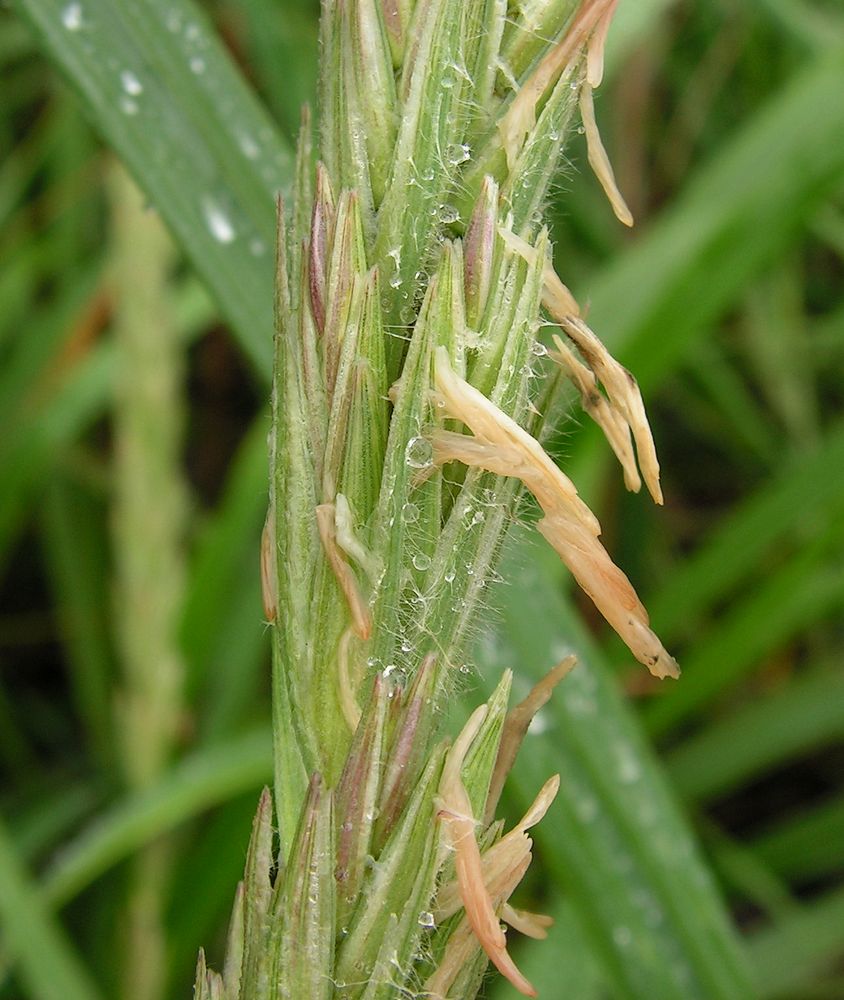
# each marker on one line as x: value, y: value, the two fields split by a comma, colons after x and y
x: 133, y: 385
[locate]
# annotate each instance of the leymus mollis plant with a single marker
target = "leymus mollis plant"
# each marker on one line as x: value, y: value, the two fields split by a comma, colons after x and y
x: 414, y: 275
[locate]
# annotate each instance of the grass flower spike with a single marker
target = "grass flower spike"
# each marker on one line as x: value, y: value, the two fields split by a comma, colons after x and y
x: 414, y: 276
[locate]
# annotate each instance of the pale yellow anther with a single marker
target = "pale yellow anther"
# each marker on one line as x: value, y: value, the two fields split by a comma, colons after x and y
x: 347, y: 687
x: 455, y: 811
x: 615, y: 427
x: 361, y: 618
x: 500, y: 440
x: 554, y: 291
x: 502, y: 868
x: 348, y: 539
x: 269, y: 579
x: 520, y: 117
x: 623, y: 393
x: 598, y: 159
x: 623, y: 412
x: 533, y: 925
x: 596, y: 45
x: 499, y: 445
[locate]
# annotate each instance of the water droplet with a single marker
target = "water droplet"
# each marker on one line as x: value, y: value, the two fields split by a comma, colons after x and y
x: 539, y: 724
x: 538, y: 349
x: 421, y: 561
x: 628, y: 767
x: 426, y: 919
x: 130, y: 83
x: 449, y: 576
x: 192, y: 32
x: 250, y: 149
x: 128, y: 106
x: 72, y: 16
x: 419, y: 453
x: 217, y: 221
x: 197, y: 65
x: 410, y: 513
x: 257, y: 247
x: 458, y: 153
x: 448, y: 214
x: 395, y: 281
x: 622, y: 936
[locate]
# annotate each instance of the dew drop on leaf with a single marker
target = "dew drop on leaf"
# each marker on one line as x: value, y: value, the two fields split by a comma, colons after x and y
x: 72, y: 16
x: 419, y: 453
x: 219, y: 224
x: 130, y: 83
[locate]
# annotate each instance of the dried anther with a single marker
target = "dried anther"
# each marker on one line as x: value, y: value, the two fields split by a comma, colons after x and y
x: 499, y: 445
x: 591, y: 20
x: 624, y: 396
x: 623, y: 411
x: 361, y: 617
x: 482, y: 884
x: 269, y: 580
x: 598, y: 159
x: 596, y: 45
x: 516, y: 724
x: 347, y: 686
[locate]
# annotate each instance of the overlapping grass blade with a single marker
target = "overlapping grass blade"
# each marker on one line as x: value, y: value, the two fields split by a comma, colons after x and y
x: 49, y: 965
x: 788, y: 957
x: 158, y: 84
x: 806, y: 846
x: 805, y: 714
x: 625, y: 855
x: 203, y: 779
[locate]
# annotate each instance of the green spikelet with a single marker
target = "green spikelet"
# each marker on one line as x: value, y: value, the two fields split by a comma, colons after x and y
x: 413, y: 271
